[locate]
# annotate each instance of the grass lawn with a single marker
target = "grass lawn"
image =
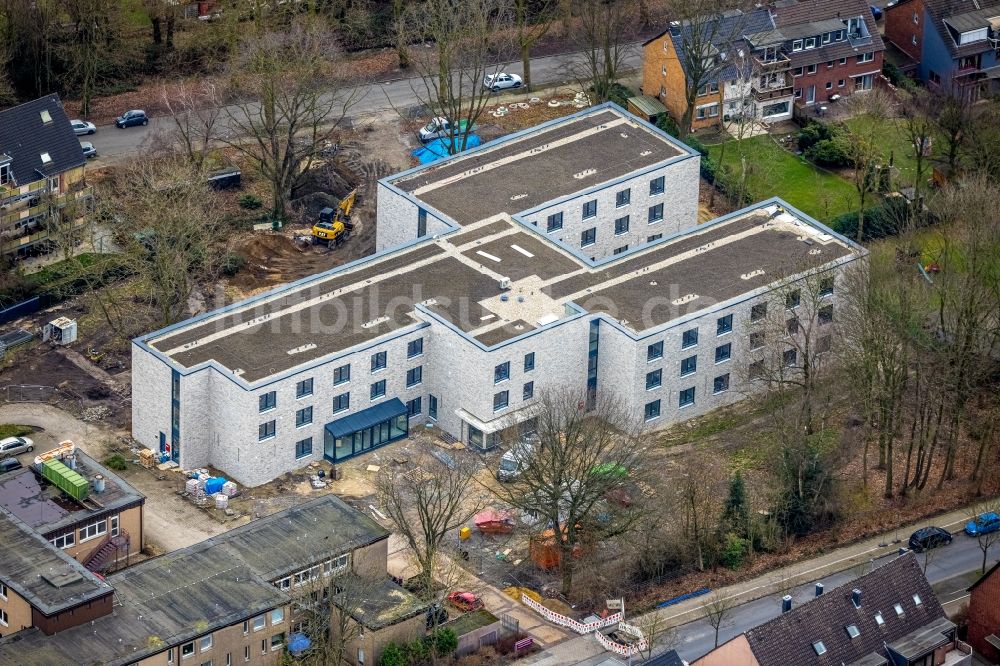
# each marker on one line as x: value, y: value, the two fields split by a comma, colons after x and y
x: 896, y: 146
x: 777, y: 172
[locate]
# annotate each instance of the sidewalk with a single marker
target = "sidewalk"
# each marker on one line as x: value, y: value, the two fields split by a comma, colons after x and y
x: 585, y: 649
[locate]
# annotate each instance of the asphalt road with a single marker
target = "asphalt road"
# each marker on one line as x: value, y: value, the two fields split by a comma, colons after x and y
x: 401, y: 94
x: 946, y: 572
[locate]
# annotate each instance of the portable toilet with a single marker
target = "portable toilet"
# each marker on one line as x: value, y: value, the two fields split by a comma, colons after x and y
x: 61, y: 331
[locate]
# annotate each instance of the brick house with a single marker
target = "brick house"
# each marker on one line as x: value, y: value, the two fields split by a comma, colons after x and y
x: 834, y: 48
x: 984, y: 614
x: 954, y: 42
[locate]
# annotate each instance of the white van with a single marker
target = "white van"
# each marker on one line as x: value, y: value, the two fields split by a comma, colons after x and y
x: 513, y: 461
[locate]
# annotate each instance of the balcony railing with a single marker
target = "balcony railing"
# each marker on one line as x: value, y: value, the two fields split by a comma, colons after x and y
x: 58, y: 201
x: 781, y: 63
x: 8, y: 190
x: 762, y: 95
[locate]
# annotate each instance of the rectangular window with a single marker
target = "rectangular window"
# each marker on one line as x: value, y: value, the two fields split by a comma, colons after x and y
x: 619, y: 250
x: 621, y: 226
x: 843, y: 61
x: 623, y: 197
x: 206, y: 643
x: 246, y: 653
x: 421, y: 222
x: 3, y: 591
x: 277, y: 641
x: 829, y: 85
x: 341, y: 402
x: 187, y: 650
x: 723, y: 352
x: 655, y: 213
x: 529, y: 391
x: 758, y: 312
x: 789, y: 357
x: 65, y: 540
x: 114, y: 525
x: 501, y: 373
x: 826, y: 40
x: 841, y: 83
x: 654, y: 379
x: 414, y: 348
x: 268, y: 401
x: 689, y: 365
x: 529, y: 361
x: 342, y: 375
x: 265, y: 431
x: 811, y: 69
x: 590, y: 209
x: 756, y: 370
x: 501, y: 400
x: 793, y: 299
x: 304, y: 388
x: 797, y: 71
x: 656, y: 186
x: 259, y: 622
x: 246, y: 627
x: 277, y: 616
x: 5, y: 619
x: 588, y: 237
x: 654, y: 237
x: 690, y: 338
x: 826, y: 314
x: 724, y: 325
x: 413, y: 407
x: 414, y: 376
x: 826, y: 286
x: 792, y: 326
x: 303, y: 448
x: 811, y: 43
x: 797, y: 45
x: 379, y: 361
x: 303, y: 417
x: 756, y: 340
x: 652, y: 410
x: 170, y: 656
x: 432, y: 406
x: 721, y: 384
x: 798, y: 93
x: 866, y: 57
x: 686, y: 397
x: 554, y: 222
x: 654, y: 351
x: 378, y: 389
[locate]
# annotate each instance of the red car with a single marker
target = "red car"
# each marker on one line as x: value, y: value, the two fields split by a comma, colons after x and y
x: 465, y: 601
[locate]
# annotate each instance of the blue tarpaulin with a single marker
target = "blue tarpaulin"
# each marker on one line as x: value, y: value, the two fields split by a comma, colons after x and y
x: 366, y: 418
x: 298, y: 644
x: 438, y: 148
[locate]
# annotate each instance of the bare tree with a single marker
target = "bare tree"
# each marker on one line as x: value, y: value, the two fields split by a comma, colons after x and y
x: 716, y: 610
x: 863, y: 146
x: 194, y: 110
x: 705, y: 38
x: 168, y: 226
x: 919, y: 111
x: 602, y: 37
x: 284, y: 114
x: 657, y: 631
x: 33, y: 32
x: 700, y: 497
x: 953, y: 119
x: 471, y: 40
x: 583, y: 455
x: 983, y: 151
x: 532, y: 20
x: 427, y: 505
x: 94, y: 47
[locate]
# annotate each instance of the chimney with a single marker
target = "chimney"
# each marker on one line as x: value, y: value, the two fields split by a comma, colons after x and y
x: 856, y: 597
x: 819, y: 589
x: 786, y: 603
x: 99, y: 483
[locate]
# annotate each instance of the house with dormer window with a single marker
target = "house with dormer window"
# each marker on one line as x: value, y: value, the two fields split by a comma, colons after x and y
x: 43, y: 187
x: 956, y: 43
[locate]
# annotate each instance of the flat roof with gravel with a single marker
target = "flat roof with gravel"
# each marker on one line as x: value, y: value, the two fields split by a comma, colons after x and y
x: 540, y: 165
x: 458, y: 277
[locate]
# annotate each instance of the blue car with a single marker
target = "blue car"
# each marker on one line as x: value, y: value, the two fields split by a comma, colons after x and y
x: 983, y: 524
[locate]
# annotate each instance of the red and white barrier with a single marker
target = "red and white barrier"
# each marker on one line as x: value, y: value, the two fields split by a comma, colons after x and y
x: 575, y: 625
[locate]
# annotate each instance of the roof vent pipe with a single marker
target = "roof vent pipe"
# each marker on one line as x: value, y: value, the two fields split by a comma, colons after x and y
x: 786, y: 603
x: 819, y: 589
x: 856, y: 597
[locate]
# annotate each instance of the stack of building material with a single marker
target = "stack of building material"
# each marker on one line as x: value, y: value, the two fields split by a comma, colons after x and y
x: 147, y: 458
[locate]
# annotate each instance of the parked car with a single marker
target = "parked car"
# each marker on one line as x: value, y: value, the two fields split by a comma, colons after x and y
x: 9, y: 465
x: 502, y: 81
x: 929, y: 537
x: 88, y: 149
x: 439, y: 128
x: 513, y: 461
x: 131, y: 119
x: 11, y: 446
x: 465, y: 601
x: 984, y: 523
x: 436, y: 615
x: 83, y: 127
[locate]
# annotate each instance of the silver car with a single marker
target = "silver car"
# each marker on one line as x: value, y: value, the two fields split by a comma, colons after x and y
x: 82, y: 127
x: 88, y: 149
x: 12, y: 446
x: 501, y: 81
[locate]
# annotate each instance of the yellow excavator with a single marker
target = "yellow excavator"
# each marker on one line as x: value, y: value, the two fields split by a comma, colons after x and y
x: 334, y: 225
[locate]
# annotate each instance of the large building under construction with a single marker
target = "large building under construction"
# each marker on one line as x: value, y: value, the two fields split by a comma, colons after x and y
x: 568, y: 255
